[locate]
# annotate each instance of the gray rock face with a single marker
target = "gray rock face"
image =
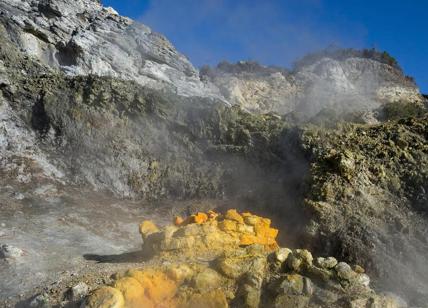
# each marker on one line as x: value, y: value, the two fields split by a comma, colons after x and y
x: 82, y: 37
x: 345, y: 85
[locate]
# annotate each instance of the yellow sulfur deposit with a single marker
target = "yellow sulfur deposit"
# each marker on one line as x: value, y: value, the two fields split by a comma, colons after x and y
x: 211, y: 233
x: 202, y: 234
x: 106, y: 297
x: 209, y: 260
x: 147, y: 228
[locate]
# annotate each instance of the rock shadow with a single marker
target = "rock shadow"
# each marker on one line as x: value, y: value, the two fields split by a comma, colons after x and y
x: 127, y: 257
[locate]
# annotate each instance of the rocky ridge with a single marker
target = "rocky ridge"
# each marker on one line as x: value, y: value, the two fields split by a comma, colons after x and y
x: 83, y: 38
x: 347, y: 84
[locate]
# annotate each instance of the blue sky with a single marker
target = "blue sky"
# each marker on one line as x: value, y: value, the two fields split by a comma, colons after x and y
x: 276, y: 32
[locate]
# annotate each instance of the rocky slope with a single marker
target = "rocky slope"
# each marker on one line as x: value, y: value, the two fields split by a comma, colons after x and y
x: 344, y: 81
x: 83, y: 37
x: 100, y: 117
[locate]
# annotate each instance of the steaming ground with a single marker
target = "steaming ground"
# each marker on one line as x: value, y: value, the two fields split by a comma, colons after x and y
x: 76, y: 141
x: 56, y: 231
x: 69, y: 235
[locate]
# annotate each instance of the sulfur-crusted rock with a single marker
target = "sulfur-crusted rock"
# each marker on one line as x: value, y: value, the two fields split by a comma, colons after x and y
x: 250, y: 275
x: 157, y: 285
x: 234, y: 215
x: 133, y: 292
x: 210, y: 234
x: 106, y: 297
x: 147, y: 228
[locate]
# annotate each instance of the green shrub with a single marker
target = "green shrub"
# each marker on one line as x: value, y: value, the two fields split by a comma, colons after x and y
x: 399, y: 110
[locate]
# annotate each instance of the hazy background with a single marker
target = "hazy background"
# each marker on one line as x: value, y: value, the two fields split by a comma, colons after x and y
x: 276, y: 32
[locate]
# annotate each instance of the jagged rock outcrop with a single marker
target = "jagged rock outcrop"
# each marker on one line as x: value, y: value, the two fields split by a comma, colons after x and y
x: 368, y: 200
x: 83, y: 37
x: 347, y: 84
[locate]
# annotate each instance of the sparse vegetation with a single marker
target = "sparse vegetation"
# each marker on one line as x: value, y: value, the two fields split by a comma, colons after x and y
x: 343, y: 54
x: 399, y: 110
x: 242, y: 66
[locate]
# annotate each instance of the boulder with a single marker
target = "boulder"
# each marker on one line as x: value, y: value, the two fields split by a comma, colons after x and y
x: 10, y: 252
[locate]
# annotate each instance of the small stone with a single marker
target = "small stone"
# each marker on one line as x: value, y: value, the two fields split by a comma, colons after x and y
x: 318, y: 273
x: 10, y: 252
x: 212, y: 215
x: 178, y: 221
x: 363, y: 279
x: 327, y: 263
x: 308, y: 286
x: 294, y: 263
x: 105, y: 297
x: 111, y: 11
x: 147, y: 228
x: 282, y: 254
x: 79, y: 291
x: 40, y: 301
x: 207, y: 280
x: 305, y: 255
x: 358, y: 269
x: 344, y: 271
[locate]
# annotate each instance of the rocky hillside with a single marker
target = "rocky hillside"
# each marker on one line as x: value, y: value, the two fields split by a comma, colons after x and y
x: 83, y: 37
x: 345, y: 81
x: 100, y: 117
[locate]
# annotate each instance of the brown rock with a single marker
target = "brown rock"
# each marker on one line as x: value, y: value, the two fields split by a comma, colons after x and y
x: 106, y: 297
